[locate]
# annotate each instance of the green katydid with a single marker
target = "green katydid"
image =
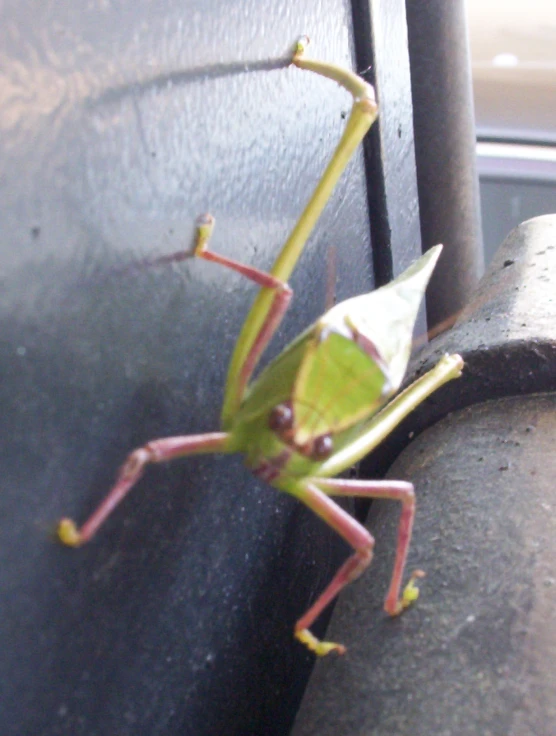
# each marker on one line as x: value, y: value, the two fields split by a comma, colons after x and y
x: 322, y: 404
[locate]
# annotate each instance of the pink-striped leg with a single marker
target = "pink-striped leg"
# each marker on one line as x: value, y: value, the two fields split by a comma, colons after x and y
x: 277, y: 309
x: 355, y: 535
x: 156, y: 451
x: 394, y: 490
x: 315, y: 496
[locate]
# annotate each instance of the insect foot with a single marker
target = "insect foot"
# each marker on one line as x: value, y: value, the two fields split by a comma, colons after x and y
x: 203, y: 232
x: 453, y: 364
x: 67, y: 533
x: 411, y: 590
x: 320, y: 648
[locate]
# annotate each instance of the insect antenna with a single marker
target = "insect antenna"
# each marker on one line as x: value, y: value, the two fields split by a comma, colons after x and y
x: 435, y: 330
x: 470, y: 308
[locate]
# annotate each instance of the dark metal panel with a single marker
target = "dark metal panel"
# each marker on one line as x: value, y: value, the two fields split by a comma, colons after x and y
x: 121, y: 122
x: 444, y: 127
x: 380, y: 33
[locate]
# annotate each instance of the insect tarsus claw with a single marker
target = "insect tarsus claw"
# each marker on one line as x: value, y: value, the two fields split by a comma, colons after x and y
x: 411, y: 590
x: 68, y: 534
x: 204, y: 226
x: 301, y: 44
x: 455, y: 362
x: 320, y: 648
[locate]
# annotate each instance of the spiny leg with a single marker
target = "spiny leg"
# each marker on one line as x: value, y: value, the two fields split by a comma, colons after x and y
x: 395, y: 491
x: 355, y: 535
x: 156, y: 451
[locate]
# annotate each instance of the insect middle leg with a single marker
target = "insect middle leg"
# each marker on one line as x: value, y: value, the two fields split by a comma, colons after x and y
x: 315, y: 495
x: 394, y: 490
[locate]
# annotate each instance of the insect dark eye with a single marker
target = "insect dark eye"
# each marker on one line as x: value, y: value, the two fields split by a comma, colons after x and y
x: 322, y: 447
x: 281, y: 418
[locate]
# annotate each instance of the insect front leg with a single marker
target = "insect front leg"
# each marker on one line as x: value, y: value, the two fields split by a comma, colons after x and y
x: 156, y: 451
x: 281, y: 295
x: 355, y: 535
x: 315, y: 495
x: 382, y: 424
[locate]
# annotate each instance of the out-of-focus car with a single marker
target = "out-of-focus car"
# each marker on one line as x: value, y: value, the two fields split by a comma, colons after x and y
x: 513, y: 52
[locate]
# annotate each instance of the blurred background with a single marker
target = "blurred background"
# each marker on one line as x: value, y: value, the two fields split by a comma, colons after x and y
x: 513, y: 52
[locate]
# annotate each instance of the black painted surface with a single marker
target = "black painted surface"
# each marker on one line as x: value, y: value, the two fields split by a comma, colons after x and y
x: 381, y: 50
x: 120, y: 125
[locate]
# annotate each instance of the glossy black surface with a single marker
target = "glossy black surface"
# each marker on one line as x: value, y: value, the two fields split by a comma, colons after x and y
x: 380, y: 30
x: 120, y: 124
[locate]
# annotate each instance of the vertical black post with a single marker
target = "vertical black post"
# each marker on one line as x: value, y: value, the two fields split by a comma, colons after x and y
x: 444, y: 129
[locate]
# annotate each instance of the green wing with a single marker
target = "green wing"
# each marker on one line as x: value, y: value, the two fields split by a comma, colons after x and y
x: 337, y: 385
x: 345, y: 366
